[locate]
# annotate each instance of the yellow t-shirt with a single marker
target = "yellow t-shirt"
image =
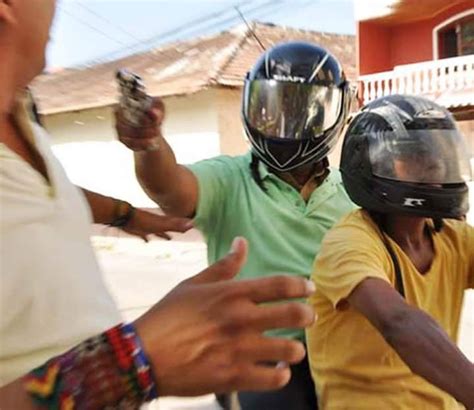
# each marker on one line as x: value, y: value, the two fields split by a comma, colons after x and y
x: 353, y: 366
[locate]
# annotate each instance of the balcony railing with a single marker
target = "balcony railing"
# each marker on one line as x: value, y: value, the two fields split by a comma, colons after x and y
x: 430, y: 77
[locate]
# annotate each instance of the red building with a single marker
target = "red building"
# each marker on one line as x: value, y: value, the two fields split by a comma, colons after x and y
x: 419, y: 47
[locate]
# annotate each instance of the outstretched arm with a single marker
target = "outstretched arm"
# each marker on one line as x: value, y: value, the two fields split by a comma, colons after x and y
x: 417, y: 338
x: 205, y: 336
x: 134, y: 221
x: 169, y: 184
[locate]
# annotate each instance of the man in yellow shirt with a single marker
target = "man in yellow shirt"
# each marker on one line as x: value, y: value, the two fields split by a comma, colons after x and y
x: 391, y: 276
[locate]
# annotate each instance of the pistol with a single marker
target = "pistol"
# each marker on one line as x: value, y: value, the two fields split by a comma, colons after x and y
x: 134, y: 101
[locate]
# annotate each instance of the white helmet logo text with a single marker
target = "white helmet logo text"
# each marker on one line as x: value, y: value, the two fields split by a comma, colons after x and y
x: 290, y: 78
x: 413, y: 202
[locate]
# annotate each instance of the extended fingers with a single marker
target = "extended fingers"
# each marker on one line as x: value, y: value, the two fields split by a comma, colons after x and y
x: 254, y: 363
x: 255, y: 377
x: 261, y: 349
x: 281, y: 315
x: 278, y: 287
x: 159, y: 224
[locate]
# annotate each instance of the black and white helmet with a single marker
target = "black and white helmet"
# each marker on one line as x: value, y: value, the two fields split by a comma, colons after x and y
x: 404, y: 154
x: 295, y: 102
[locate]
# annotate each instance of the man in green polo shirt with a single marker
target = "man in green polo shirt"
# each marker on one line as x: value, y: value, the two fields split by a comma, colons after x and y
x: 282, y: 196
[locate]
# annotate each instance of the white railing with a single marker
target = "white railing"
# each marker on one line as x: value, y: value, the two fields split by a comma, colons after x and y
x: 430, y: 77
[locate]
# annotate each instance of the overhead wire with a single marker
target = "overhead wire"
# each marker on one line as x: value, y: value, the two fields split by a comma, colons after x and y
x: 270, y: 7
x: 107, y: 21
x: 151, y: 41
x: 87, y: 24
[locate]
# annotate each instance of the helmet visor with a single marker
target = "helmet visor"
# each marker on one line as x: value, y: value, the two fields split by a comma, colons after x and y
x: 291, y: 110
x: 420, y: 156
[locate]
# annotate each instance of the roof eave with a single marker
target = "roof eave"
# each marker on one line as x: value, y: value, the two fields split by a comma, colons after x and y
x: 111, y: 103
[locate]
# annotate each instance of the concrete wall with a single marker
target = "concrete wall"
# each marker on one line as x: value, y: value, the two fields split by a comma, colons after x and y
x: 373, y: 51
x: 467, y: 129
x: 413, y: 43
x: 86, y: 144
x: 382, y: 46
x: 233, y: 140
x: 193, y: 114
x: 197, y: 126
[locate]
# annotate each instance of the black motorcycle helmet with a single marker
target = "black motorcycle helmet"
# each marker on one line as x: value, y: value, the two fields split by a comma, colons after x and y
x: 404, y: 154
x: 295, y: 102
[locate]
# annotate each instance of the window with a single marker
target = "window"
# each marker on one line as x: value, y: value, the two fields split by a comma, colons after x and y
x: 457, y: 38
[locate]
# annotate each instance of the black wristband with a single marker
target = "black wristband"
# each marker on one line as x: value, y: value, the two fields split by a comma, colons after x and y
x: 122, y: 218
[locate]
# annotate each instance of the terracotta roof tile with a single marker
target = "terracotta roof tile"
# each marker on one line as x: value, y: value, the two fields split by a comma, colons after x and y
x: 182, y: 67
x: 342, y: 46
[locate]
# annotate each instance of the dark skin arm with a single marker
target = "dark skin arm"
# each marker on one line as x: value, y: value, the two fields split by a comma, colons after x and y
x: 171, y: 185
x: 14, y: 396
x: 102, y: 207
x: 420, y: 342
x: 143, y: 223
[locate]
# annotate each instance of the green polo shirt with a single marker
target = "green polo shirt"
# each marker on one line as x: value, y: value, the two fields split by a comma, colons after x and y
x: 284, y: 232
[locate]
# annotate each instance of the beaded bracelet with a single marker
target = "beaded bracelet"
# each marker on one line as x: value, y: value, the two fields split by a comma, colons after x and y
x: 106, y: 371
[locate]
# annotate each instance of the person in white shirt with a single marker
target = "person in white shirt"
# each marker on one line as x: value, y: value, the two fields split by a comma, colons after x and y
x: 204, y: 336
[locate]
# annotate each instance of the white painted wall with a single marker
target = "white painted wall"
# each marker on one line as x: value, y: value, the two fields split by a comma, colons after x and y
x: 86, y: 145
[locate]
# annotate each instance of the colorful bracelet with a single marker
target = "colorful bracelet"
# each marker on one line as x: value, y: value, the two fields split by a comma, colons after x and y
x: 109, y: 370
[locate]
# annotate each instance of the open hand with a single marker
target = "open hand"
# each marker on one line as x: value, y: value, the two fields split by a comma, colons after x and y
x: 144, y: 223
x: 206, y: 335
